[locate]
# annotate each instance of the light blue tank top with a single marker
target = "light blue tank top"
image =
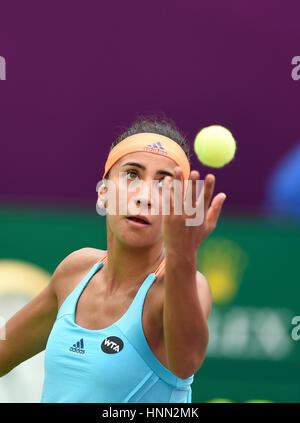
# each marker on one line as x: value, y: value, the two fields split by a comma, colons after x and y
x: 114, y: 364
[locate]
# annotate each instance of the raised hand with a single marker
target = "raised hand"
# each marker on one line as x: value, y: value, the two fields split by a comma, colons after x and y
x: 177, y: 235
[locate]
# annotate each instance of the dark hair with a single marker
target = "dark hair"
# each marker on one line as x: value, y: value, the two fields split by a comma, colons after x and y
x: 156, y: 125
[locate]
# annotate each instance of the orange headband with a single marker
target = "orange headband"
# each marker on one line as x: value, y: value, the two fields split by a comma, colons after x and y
x: 150, y: 143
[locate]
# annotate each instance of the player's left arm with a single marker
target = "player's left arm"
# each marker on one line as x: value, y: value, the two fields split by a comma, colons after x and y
x: 204, y: 293
x: 187, y: 297
x: 187, y: 306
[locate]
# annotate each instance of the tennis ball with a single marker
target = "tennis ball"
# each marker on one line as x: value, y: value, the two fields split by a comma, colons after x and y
x: 214, y: 146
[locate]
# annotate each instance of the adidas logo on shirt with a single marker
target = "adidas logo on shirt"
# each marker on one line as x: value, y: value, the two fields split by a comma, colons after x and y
x: 78, y: 347
x: 156, y: 148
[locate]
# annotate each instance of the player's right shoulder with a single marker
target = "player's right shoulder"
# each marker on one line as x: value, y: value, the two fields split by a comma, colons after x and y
x: 74, y: 265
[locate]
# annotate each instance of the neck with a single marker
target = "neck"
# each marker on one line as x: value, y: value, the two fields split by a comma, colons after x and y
x: 128, y: 266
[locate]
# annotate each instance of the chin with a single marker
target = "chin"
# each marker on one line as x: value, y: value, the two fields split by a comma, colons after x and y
x: 135, y: 239
x: 131, y: 236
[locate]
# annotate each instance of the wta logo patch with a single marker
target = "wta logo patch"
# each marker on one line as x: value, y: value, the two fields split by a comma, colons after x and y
x: 112, y: 345
x: 156, y: 148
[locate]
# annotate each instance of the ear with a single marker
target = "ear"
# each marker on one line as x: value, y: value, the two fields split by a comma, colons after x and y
x: 102, y: 196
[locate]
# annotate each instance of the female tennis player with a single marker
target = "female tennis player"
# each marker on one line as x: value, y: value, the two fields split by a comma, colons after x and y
x: 127, y: 324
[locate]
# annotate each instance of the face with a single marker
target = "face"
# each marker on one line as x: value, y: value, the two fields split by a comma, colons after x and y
x: 150, y: 169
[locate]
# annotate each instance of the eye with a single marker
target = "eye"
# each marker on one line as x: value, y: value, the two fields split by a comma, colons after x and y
x: 160, y: 183
x: 128, y: 172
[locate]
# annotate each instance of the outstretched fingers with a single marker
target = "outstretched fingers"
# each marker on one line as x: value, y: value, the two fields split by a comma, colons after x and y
x: 190, y: 188
x: 209, y: 186
x: 214, y: 211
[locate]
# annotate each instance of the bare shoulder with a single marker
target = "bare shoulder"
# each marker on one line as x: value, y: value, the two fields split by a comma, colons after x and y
x: 72, y: 267
x: 78, y: 260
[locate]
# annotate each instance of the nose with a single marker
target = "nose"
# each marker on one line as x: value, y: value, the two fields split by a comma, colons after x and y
x: 143, y: 197
x: 144, y: 204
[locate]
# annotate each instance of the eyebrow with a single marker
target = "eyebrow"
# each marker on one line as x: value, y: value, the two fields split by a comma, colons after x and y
x: 159, y: 172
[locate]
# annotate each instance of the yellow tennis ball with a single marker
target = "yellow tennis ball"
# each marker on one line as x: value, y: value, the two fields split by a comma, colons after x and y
x: 214, y: 146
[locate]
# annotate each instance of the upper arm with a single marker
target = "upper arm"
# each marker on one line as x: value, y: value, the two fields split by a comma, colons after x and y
x: 27, y: 331
x: 204, y: 293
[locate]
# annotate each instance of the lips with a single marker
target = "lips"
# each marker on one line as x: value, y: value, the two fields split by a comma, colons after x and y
x: 139, y: 219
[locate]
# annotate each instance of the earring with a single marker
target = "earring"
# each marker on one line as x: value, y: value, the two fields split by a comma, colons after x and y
x: 101, y: 208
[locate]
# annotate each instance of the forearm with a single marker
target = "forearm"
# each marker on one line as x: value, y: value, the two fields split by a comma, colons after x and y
x: 185, y: 325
